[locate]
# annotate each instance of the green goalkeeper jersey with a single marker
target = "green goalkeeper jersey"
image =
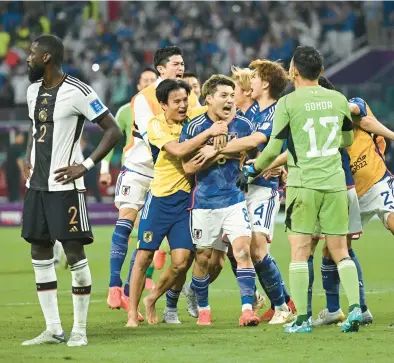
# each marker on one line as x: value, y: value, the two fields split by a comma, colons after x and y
x: 312, y: 119
x: 124, y: 118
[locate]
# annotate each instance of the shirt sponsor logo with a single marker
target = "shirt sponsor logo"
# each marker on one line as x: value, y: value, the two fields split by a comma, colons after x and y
x: 96, y: 106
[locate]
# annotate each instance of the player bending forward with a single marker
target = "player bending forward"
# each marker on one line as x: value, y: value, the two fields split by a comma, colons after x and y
x: 310, y: 118
x: 54, y: 206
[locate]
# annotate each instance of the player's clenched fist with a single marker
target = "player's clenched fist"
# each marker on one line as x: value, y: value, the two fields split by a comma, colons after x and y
x: 27, y: 167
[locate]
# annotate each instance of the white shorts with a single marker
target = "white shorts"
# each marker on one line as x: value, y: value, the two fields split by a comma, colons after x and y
x: 131, y: 189
x: 378, y: 200
x: 209, y: 225
x: 263, y: 207
x: 355, y: 225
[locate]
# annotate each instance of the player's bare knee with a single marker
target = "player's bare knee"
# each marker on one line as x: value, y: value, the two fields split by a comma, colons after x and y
x: 39, y: 252
x: 389, y: 222
x: 128, y: 213
x: 242, y: 253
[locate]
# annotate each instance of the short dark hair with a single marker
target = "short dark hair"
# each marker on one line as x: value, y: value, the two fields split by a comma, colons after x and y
x: 53, y: 45
x: 190, y: 75
x: 210, y: 86
x: 162, y: 55
x: 168, y: 85
x: 308, y: 61
x: 146, y: 69
x: 325, y: 83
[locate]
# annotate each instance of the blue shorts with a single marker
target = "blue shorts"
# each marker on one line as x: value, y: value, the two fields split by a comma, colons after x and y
x: 165, y: 217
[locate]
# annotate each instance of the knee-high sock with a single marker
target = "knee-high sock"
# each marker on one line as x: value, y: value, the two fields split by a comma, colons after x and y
x: 81, y: 288
x: 46, y: 282
x: 329, y: 273
x: 246, y: 278
x: 200, y: 287
x: 349, y: 279
x: 299, y: 279
x: 118, y: 251
x: 172, y: 297
x: 310, y: 286
x: 269, y: 276
x: 285, y: 292
x: 363, y: 303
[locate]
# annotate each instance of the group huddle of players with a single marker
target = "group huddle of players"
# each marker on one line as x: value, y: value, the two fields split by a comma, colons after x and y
x: 209, y: 180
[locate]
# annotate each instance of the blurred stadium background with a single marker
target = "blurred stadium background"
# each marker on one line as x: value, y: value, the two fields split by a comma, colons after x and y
x: 109, y: 42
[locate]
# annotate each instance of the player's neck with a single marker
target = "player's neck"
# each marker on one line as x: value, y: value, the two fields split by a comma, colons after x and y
x: 169, y: 120
x: 301, y: 82
x: 245, y: 106
x: 265, y: 102
x: 213, y: 117
x: 52, y: 77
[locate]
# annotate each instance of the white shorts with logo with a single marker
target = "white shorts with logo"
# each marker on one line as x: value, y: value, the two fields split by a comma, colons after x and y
x: 131, y: 189
x: 263, y: 207
x: 378, y: 200
x: 209, y: 225
x: 355, y: 225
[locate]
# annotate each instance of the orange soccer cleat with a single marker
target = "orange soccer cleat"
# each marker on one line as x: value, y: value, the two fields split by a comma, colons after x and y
x: 268, y: 315
x: 292, y: 307
x: 149, y: 284
x: 204, y: 317
x: 114, y: 297
x: 249, y: 318
x: 159, y: 259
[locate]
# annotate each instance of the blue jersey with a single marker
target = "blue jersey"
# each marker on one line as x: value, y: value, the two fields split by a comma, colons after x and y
x: 262, y: 122
x: 215, y: 187
x: 346, y: 168
x: 250, y: 112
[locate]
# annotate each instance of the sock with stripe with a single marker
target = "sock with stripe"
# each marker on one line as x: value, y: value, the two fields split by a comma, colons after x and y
x: 118, y: 251
x: 269, y: 276
x: 149, y: 272
x: 329, y: 274
x: 285, y: 292
x: 246, y: 278
x: 172, y: 297
x: 81, y: 288
x: 127, y: 284
x: 310, y: 285
x: 349, y: 279
x: 299, y: 279
x: 46, y: 283
x: 200, y: 287
x: 363, y: 303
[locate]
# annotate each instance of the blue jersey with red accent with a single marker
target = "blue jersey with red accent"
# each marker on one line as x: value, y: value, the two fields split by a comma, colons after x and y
x: 346, y: 168
x: 262, y: 122
x: 215, y: 187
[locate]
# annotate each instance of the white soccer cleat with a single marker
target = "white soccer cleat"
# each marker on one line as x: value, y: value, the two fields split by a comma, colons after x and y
x: 327, y: 318
x: 282, y: 315
x: 191, y: 301
x: 46, y: 337
x: 77, y: 340
x: 170, y: 316
x: 367, y: 318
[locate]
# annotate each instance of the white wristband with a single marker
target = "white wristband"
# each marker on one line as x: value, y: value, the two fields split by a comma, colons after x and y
x: 104, y: 167
x: 88, y: 163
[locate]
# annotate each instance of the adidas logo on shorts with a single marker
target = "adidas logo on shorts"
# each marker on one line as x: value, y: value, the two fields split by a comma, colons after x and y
x: 74, y: 229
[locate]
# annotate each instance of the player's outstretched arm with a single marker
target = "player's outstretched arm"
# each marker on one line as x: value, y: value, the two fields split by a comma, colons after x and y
x: 347, y: 138
x: 112, y: 135
x: 279, y: 161
x: 269, y: 154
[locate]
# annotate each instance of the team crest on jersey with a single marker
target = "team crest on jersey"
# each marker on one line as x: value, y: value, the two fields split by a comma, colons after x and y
x: 197, y: 233
x: 148, y: 236
x: 96, y: 106
x: 42, y: 115
x: 125, y: 190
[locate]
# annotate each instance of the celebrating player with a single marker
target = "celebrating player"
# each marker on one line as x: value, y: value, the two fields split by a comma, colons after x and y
x: 310, y: 118
x: 54, y: 206
x: 165, y: 213
x: 137, y: 173
x: 218, y: 206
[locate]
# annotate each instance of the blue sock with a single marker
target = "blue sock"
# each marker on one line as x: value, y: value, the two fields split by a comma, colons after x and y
x: 311, y: 279
x: 118, y: 251
x: 172, y: 298
x: 269, y: 276
x: 200, y: 287
x: 285, y: 293
x: 127, y: 284
x: 363, y: 304
x: 331, y: 283
x: 246, y: 278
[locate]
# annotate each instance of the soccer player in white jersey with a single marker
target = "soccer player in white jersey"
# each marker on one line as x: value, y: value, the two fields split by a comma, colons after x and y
x: 54, y: 206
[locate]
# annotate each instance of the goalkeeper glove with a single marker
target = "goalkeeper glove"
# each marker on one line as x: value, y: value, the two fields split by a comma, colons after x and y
x: 361, y: 105
x: 246, y: 176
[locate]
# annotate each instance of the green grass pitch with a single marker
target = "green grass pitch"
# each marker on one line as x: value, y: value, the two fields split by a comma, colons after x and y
x: 224, y: 341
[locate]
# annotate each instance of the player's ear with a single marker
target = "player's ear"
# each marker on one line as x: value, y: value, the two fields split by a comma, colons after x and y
x: 208, y: 99
x: 47, y: 58
x: 265, y: 84
x: 164, y: 106
x: 160, y: 69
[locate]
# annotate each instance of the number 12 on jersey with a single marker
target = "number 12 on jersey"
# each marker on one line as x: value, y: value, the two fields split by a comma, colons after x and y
x: 310, y: 129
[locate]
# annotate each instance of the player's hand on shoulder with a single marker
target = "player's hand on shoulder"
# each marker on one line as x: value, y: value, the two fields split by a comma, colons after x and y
x: 69, y: 173
x: 361, y: 104
x: 218, y: 128
x: 105, y: 178
x: 246, y: 176
x: 27, y: 167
